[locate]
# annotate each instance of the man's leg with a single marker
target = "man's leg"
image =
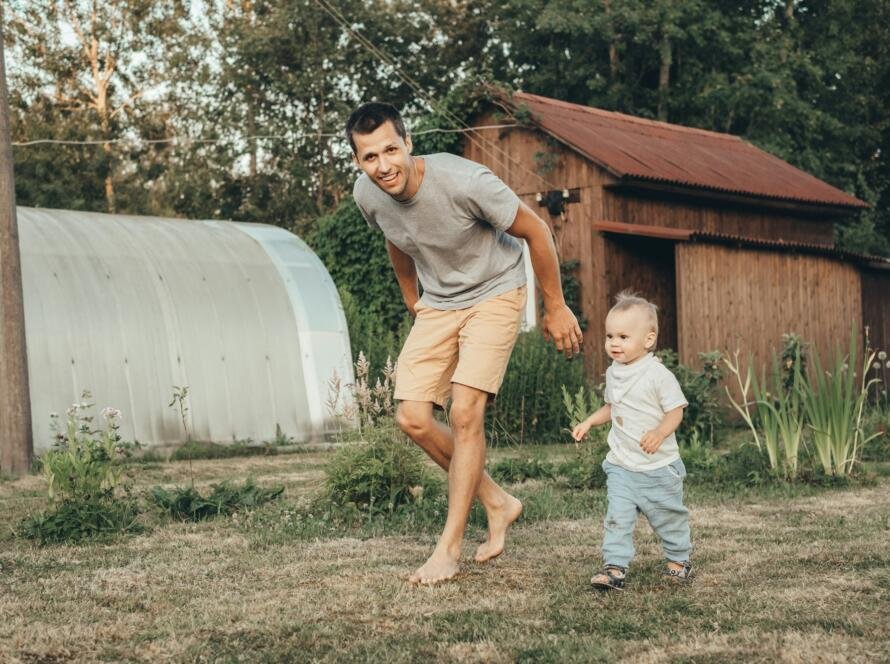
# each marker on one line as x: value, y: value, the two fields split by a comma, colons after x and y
x: 416, y: 419
x: 464, y: 475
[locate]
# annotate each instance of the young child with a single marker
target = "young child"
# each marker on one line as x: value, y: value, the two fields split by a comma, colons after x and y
x: 644, y: 471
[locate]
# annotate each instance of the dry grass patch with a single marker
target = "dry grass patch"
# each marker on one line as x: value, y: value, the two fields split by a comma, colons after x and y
x: 804, y: 577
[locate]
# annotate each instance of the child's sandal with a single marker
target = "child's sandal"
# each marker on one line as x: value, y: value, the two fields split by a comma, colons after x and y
x: 682, y: 574
x: 614, y: 578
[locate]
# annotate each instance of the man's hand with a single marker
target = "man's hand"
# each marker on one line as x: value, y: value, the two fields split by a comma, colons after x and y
x: 562, y: 326
x: 651, y: 441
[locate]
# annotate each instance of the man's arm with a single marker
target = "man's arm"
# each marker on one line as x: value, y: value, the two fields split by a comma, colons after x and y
x: 406, y: 274
x: 559, y: 322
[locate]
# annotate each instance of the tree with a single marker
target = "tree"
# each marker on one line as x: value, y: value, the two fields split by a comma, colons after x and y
x: 90, y: 71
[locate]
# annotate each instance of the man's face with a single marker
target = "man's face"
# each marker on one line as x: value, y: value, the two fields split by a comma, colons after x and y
x: 385, y: 157
x: 629, y: 335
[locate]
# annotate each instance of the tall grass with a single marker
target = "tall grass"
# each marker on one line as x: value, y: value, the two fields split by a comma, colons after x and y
x: 835, y: 402
x: 782, y: 417
x: 791, y: 405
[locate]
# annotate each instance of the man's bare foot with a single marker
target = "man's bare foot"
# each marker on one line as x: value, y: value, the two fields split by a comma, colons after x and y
x: 498, y: 522
x: 439, y: 567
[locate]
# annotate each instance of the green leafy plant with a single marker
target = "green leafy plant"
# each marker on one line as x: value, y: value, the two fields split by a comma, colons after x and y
x: 528, y: 405
x: 782, y: 418
x: 774, y: 416
x: 82, y: 463
x: 520, y: 469
x: 701, y: 417
x: 835, y: 402
x: 83, y: 472
x: 188, y: 504
x: 179, y: 401
x: 79, y: 520
x: 580, y: 405
x: 583, y: 469
x: 379, y: 475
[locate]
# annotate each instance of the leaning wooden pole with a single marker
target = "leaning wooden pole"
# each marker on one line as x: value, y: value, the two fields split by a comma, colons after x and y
x: 16, y: 445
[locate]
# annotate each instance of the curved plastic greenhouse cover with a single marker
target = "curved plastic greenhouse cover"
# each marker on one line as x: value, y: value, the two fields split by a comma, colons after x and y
x: 128, y: 307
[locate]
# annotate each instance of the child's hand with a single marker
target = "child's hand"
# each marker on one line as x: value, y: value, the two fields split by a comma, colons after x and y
x: 581, y: 430
x: 651, y: 441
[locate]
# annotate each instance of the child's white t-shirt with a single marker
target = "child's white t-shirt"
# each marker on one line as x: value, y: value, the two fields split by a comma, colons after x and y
x: 640, y: 393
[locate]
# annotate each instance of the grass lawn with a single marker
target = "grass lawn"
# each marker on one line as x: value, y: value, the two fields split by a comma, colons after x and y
x: 784, y: 574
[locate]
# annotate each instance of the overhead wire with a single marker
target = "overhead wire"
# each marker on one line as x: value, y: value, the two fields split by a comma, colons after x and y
x: 415, y: 86
x: 189, y: 140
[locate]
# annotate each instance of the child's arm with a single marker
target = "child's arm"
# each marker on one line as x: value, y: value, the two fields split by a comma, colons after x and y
x: 601, y: 416
x: 652, y: 440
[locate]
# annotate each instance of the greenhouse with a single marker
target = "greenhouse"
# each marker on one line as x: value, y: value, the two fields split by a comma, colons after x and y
x: 128, y: 307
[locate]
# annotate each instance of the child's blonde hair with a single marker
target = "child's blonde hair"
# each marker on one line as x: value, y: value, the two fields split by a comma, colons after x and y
x: 628, y: 299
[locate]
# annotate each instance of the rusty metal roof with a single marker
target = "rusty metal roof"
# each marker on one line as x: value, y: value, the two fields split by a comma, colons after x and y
x: 687, y: 235
x: 636, y: 149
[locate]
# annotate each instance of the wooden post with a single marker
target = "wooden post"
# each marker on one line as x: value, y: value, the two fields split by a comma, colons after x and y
x: 16, y: 445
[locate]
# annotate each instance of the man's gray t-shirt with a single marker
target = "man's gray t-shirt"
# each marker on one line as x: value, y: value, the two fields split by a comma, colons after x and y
x: 453, y: 227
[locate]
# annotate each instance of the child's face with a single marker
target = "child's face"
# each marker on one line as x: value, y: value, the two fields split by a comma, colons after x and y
x: 629, y: 335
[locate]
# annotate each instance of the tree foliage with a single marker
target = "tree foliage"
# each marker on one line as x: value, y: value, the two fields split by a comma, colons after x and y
x: 256, y: 92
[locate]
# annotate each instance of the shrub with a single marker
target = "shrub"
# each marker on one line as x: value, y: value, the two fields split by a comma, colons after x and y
x: 788, y: 403
x: 187, y: 503
x: 357, y: 260
x: 583, y: 470
x: 197, y: 449
x: 78, y: 520
x: 82, y: 463
x: 379, y: 475
x: 83, y: 475
x: 370, y: 335
x: 579, y: 406
x: 835, y: 402
x: 701, y: 417
x: 528, y: 406
x: 877, y: 428
x: 520, y: 469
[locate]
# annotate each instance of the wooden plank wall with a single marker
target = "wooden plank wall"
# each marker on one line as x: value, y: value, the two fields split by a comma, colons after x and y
x: 876, y: 307
x: 515, y: 156
x: 650, y: 210
x: 511, y: 155
x: 645, y: 265
x: 729, y: 298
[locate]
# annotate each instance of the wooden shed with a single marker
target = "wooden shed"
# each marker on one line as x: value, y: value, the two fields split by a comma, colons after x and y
x: 734, y: 245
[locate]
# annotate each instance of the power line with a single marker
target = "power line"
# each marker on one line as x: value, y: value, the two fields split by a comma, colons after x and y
x: 414, y: 85
x: 188, y: 140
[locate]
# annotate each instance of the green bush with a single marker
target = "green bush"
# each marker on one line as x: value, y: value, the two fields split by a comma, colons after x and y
x: 520, y: 469
x: 789, y: 407
x: 370, y: 335
x: 197, y: 449
x: 357, y: 260
x: 83, y: 464
x: 877, y: 427
x: 702, y: 416
x: 583, y: 469
x: 187, y: 503
x: 74, y: 521
x: 529, y: 406
x: 83, y: 472
x: 380, y: 474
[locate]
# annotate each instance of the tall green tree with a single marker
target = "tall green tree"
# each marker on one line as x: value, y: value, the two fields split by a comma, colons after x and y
x: 90, y: 71
x: 805, y: 80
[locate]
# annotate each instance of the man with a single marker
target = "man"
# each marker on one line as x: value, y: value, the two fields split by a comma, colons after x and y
x: 452, y: 223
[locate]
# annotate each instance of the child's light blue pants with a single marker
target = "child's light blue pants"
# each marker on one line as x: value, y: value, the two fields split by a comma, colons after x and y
x: 658, y: 494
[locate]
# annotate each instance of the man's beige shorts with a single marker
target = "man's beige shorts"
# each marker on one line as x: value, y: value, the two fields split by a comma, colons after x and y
x: 468, y: 346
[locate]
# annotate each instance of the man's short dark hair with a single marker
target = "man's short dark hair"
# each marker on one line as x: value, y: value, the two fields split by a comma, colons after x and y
x: 368, y: 117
